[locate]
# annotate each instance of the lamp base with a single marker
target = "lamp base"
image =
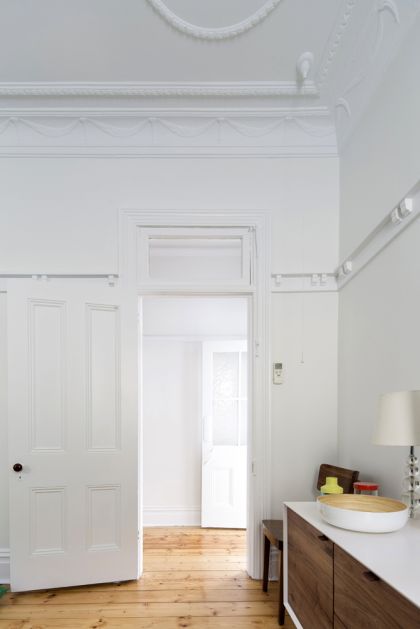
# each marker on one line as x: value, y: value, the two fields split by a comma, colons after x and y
x: 411, y: 484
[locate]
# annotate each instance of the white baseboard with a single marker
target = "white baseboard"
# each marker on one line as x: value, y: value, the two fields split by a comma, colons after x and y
x: 4, y: 565
x: 171, y: 516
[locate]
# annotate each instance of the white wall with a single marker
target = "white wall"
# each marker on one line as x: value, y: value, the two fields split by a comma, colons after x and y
x: 379, y: 348
x: 173, y: 331
x: 61, y: 215
x: 171, y: 432
x: 304, y: 415
x: 379, y: 352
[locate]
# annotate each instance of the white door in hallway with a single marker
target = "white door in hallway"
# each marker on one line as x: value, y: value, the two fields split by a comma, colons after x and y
x: 72, y: 398
x: 225, y: 405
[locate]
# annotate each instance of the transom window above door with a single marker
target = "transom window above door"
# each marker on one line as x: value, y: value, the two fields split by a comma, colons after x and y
x: 191, y: 256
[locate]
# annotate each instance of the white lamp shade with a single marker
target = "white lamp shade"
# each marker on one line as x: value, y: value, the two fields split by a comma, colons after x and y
x: 398, y: 421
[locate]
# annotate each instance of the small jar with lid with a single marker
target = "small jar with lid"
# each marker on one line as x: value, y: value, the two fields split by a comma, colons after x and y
x: 366, y: 488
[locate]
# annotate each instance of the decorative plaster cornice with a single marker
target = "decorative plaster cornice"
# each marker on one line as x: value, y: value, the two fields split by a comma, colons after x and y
x: 364, y: 66
x: 223, y: 32
x: 140, y: 89
x: 335, y: 41
x: 29, y: 132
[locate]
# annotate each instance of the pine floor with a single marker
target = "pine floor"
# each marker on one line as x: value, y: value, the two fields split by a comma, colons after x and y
x: 193, y: 578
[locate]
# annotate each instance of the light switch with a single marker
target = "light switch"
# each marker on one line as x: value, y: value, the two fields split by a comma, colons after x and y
x: 277, y: 373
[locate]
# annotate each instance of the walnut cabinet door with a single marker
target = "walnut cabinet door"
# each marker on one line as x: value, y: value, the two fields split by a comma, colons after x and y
x: 310, y: 574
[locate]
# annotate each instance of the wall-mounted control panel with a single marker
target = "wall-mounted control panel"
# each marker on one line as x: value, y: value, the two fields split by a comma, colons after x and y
x: 277, y: 373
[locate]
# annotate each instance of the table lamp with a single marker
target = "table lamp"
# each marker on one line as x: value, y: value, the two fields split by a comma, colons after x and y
x: 398, y: 424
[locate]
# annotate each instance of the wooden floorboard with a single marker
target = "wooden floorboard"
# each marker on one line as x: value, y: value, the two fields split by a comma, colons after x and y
x: 194, y: 578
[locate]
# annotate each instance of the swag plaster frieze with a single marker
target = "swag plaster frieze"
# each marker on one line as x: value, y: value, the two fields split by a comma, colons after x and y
x: 253, y: 133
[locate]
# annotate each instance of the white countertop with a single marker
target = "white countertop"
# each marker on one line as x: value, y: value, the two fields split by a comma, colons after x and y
x: 394, y: 557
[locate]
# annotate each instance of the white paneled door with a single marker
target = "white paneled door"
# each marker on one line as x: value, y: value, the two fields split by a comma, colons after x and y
x: 73, y: 448
x: 225, y: 404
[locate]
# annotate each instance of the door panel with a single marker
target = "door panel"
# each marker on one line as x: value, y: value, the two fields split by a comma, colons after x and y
x: 72, y: 380
x: 103, y: 395
x: 224, y: 488
x: 47, y: 351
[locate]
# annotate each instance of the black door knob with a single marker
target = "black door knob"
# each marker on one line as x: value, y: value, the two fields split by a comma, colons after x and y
x: 18, y: 467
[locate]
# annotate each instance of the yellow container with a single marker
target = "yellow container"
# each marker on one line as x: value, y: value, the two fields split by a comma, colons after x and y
x: 331, y: 486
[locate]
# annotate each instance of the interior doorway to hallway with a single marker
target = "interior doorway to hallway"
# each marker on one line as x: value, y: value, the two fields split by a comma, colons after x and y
x: 195, y: 408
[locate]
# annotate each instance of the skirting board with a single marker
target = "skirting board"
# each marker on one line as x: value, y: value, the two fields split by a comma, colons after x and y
x: 171, y: 516
x: 4, y: 565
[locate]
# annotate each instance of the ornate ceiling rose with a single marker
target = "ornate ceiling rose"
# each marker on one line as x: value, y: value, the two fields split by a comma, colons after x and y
x: 223, y: 32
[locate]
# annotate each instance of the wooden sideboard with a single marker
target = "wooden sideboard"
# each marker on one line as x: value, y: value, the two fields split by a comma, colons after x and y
x: 326, y: 586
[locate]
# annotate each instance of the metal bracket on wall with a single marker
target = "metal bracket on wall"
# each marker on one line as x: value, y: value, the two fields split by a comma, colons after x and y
x: 394, y: 223
x: 110, y: 277
x: 303, y: 282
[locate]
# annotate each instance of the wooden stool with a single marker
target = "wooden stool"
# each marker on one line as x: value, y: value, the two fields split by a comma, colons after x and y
x: 273, y: 534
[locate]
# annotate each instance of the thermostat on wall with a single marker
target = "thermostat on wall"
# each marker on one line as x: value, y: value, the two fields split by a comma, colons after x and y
x: 277, y: 373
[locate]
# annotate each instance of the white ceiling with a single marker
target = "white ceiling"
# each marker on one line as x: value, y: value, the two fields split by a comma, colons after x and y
x: 127, y: 40
x: 196, y: 58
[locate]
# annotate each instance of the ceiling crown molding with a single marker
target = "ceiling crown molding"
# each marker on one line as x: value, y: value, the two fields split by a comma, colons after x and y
x: 120, y: 89
x: 223, y: 32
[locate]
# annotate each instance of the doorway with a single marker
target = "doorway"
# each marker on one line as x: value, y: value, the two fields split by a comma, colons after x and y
x: 195, y: 408
x: 86, y: 335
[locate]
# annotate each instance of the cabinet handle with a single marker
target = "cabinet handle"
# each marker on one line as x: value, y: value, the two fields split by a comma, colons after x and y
x: 370, y: 576
x: 323, y: 538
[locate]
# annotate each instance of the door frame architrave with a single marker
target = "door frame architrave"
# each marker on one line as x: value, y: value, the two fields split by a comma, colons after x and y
x: 258, y: 222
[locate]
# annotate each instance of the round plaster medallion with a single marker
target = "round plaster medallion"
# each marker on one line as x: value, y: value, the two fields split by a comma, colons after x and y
x: 183, y: 14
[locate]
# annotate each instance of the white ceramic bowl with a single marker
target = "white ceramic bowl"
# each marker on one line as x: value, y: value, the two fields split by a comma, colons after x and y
x: 367, y: 514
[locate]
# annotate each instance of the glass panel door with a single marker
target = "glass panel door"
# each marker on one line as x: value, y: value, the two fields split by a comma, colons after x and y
x: 224, y: 434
